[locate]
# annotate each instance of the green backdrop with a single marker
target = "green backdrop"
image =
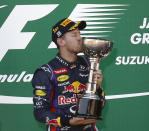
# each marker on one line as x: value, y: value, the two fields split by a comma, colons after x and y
x: 25, y: 44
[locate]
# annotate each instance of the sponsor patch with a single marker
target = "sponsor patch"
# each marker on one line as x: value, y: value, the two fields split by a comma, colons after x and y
x: 60, y: 71
x: 73, y: 27
x: 62, y: 100
x: 40, y: 87
x: 75, y: 87
x: 54, y: 122
x: 55, y: 29
x: 82, y: 68
x: 102, y: 93
x: 45, y: 69
x: 62, y: 78
x: 64, y: 83
x: 58, y: 33
x: 61, y: 60
x: 83, y: 75
x: 40, y: 93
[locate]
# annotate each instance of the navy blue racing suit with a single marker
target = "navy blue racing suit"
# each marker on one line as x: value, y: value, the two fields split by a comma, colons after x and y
x: 57, y: 86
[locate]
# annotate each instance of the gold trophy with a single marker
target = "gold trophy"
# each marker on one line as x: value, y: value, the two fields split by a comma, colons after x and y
x: 90, y: 104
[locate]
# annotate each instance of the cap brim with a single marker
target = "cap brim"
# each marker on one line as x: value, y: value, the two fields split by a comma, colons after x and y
x: 81, y: 25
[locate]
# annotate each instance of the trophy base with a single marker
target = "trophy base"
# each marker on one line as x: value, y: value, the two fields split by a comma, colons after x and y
x: 89, y: 106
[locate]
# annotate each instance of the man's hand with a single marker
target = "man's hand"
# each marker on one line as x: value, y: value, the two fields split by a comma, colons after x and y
x: 98, y: 77
x: 81, y: 121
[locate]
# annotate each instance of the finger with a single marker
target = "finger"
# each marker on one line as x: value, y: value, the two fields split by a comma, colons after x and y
x: 99, y: 72
x: 99, y: 76
x: 79, y: 118
x: 89, y: 121
x: 96, y: 73
x: 76, y: 121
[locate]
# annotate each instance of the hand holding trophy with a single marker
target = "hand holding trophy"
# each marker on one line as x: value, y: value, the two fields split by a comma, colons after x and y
x: 90, y: 104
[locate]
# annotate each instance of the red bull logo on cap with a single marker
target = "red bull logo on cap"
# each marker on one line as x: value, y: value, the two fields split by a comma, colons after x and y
x: 75, y: 87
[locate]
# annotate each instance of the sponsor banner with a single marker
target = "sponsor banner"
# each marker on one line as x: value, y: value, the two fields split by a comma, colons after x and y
x: 23, y: 76
x: 25, y: 45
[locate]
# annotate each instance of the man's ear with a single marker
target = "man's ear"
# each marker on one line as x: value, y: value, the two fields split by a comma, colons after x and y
x: 60, y: 41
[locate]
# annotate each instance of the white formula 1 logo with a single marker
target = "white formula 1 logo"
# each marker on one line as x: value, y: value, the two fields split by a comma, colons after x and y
x: 12, y: 37
x: 10, y: 32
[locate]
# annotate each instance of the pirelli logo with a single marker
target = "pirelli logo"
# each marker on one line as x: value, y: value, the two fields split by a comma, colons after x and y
x: 65, y: 22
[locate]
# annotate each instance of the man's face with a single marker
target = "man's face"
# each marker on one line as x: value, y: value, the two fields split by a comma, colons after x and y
x: 73, y: 41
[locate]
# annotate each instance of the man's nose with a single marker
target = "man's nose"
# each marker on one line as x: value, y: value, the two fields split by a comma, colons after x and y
x: 79, y: 37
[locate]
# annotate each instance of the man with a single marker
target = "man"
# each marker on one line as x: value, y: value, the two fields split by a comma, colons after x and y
x: 58, y: 84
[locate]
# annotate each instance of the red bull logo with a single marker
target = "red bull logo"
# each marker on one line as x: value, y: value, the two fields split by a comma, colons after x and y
x: 62, y: 100
x: 75, y: 87
x: 54, y: 122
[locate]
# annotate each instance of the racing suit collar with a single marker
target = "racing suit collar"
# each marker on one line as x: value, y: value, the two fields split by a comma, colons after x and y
x: 66, y: 63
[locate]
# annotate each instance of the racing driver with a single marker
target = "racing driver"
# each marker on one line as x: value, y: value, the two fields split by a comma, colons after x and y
x: 58, y: 84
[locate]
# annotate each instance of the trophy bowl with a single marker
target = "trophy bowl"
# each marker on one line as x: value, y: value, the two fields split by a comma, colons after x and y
x: 94, y: 47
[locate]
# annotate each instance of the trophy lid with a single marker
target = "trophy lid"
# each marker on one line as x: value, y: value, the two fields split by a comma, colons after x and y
x: 94, y: 47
